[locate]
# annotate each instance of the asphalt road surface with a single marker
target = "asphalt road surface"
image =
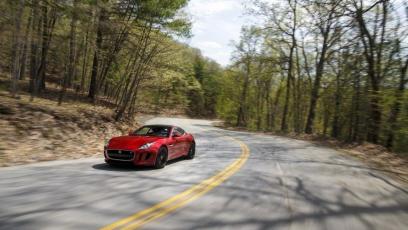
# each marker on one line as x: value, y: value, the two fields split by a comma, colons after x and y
x: 283, y: 184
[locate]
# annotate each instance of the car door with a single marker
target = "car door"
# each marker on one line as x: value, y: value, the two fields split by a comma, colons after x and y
x: 172, y: 147
x: 174, y: 144
x: 184, y: 142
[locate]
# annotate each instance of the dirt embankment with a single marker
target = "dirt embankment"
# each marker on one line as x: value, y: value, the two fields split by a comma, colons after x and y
x: 43, y: 131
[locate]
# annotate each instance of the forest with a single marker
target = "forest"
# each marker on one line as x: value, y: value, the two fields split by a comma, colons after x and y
x: 333, y: 68
x: 110, y: 52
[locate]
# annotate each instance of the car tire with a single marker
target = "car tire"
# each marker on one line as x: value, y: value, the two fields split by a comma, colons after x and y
x: 161, y: 158
x: 110, y: 163
x: 191, y: 151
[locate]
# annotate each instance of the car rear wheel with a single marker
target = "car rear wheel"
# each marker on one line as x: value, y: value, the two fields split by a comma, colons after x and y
x: 191, y: 151
x: 161, y: 158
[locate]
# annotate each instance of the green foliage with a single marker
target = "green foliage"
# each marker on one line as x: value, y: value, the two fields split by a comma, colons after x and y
x: 227, y: 102
x: 126, y: 50
x: 347, y: 90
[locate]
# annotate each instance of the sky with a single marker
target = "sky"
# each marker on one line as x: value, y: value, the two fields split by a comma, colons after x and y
x: 216, y: 23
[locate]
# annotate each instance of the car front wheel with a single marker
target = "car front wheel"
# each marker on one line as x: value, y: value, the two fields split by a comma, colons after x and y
x: 161, y: 158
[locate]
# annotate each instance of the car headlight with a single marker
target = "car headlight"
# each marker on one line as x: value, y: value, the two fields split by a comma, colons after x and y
x: 146, y: 146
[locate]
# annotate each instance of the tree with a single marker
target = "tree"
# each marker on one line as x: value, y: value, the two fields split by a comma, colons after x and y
x: 326, y: 16
x: 373, y: 40
x: 16, y: 47
x: 396, y: 108
x: 245, y: 54
x: 334, y: 68
x: 72, y: 51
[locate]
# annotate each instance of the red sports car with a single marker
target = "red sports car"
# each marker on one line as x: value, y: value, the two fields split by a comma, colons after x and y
x: 151, y: 145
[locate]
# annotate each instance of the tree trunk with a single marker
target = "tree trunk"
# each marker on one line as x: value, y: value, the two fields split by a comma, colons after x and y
x: 268, y: 105
x: 93, y: 87
x: 85, y: 61
x: 241, y: 117
x: 396, y: 108
x: 274, y: 107
x: 326, y: 118
x: 316, y: 85
x: 72, y: 50
x: 36, y: 33
x: 284, y: 125
x: 24, y: 54
x: 16, y: 48
x: 336, y: 117
x: 374, y: 120
x: 373, y: 52
x: 126, y: 99
x: 47, y: 30
x: 40, y: 86
x: 297, y: 93
x: 259, y: 105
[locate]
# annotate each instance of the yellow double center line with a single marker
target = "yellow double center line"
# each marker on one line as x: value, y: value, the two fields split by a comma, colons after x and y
x: 182, y: 199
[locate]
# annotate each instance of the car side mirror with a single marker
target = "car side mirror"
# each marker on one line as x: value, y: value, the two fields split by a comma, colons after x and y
x: 176, y: 135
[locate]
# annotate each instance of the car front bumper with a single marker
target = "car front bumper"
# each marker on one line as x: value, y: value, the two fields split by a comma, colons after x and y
x: 140, y: 157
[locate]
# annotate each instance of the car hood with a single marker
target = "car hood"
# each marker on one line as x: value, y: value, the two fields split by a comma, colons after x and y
x: 131, y: 142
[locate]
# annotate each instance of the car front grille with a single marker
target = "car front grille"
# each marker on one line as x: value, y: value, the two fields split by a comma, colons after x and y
x: 123, y: 155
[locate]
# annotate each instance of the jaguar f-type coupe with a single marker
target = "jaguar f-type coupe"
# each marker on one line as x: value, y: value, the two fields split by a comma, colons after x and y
x: 150, y: 145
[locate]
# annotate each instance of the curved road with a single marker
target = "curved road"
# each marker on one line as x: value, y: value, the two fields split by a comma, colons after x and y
x: 284, y: 184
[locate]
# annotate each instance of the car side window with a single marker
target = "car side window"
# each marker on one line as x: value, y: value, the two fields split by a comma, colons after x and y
x: 158, y: 131
x: 180, y: 130
x: 175, y: 133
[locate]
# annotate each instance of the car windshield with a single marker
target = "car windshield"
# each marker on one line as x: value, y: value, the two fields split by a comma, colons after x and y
x: 157, y: 131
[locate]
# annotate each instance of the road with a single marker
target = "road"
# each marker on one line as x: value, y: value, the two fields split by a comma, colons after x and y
x: 283, y: 184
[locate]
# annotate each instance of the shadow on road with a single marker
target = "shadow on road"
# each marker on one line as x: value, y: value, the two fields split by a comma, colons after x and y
x: 126, y: 167
x: 121, y: 167
x: 364, y: 213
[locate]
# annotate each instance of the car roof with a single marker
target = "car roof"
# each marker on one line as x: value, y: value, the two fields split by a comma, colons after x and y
x: 159, y: 125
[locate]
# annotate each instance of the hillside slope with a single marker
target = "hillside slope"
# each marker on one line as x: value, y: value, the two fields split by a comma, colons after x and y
x: 42, y: 131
